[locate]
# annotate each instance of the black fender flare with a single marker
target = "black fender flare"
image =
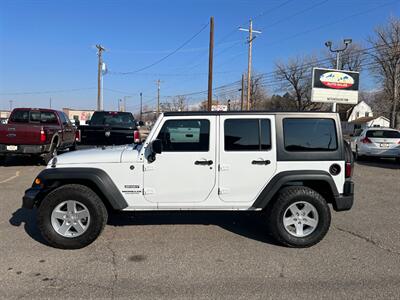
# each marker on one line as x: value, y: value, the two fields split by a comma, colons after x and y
x: 98, y: 177
x: 283, y: 178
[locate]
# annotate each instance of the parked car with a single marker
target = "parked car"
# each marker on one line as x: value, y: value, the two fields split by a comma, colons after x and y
x: 109, y: 128
x: 36, y: 132
x: 377, y: 142
x: 288, y: 166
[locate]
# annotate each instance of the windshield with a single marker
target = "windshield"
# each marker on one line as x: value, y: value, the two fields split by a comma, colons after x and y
x: 113, y: 118
x: 384, y: 134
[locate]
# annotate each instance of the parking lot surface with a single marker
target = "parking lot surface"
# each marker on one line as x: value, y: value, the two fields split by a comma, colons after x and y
x: 206, y: 255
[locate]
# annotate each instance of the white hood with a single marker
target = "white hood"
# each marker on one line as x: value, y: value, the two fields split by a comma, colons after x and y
x: 111, y: 154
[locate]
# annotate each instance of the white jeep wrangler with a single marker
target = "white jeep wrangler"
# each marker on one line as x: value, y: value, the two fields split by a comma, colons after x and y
x: 289, y: 166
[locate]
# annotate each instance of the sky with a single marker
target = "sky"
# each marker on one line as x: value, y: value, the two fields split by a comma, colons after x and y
x: 47, y: 48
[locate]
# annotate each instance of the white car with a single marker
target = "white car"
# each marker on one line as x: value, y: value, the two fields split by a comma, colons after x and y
x: 377, y: 142
x: 291, y: 166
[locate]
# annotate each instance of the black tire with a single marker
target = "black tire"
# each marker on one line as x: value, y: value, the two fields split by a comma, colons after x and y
x: 2, y: 160
x: 285, y: 198
x: 83, y: 194
x: 73, y: 147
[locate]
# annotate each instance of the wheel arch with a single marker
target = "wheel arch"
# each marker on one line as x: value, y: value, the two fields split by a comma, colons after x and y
x: 320, y: 181
x: 56, y: 140
x: 93, y: 178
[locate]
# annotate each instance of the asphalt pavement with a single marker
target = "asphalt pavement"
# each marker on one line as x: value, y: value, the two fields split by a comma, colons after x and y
x: 205, y: 255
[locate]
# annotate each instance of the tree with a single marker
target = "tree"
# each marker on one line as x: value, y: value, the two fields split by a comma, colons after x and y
x: 178, y: 103
x: 386, y: 63
x: 350, y: 59
x: 295, y: 78
x: 258, y: 93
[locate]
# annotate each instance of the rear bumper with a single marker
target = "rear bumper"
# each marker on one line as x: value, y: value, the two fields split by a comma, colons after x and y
x: 345, y: 201
x: 380, y: 152
x: 25, y: 149
x: 30, y: 198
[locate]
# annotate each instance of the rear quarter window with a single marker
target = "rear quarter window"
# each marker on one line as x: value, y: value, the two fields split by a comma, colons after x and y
x: 309, y: 134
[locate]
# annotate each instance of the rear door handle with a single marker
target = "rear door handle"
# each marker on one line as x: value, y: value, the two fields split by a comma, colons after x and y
x: 203, y: 162
x: 261, y: 162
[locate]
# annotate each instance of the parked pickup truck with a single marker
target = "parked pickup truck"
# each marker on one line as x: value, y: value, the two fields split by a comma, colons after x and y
x: 109, y: 128
x: 36, y: 132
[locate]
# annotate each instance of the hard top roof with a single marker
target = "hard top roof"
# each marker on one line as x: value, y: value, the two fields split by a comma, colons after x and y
x: 232, y: 112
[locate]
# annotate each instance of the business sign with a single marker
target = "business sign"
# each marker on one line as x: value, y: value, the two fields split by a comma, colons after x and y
x: 335, y: 86
x: 219, y: 107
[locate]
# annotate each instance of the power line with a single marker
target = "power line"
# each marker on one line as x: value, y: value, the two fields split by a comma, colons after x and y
x: 165, y: 57
x: 297, y: 13
x: 332, y: 23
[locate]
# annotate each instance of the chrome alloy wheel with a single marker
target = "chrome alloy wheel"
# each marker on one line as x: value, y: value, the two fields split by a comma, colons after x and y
x: 70, y: 219
x: 300, y: 219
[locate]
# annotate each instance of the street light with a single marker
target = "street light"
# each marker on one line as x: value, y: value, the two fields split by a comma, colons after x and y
x: 328, y: 44
x: 346, y: 43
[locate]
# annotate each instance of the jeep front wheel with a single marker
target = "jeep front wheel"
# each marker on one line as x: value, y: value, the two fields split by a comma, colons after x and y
x: 300, y: 217
x: 71, y: 217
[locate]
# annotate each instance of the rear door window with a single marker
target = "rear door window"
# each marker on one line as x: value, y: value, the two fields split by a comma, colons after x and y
x: 247, y: 134
x: 309, y: 134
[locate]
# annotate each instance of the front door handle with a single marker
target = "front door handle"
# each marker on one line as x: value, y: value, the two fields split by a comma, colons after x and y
x: 203, y: 162
x: 261, y: 162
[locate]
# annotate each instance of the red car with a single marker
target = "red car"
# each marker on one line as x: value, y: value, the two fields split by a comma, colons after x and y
x: 36, y: 132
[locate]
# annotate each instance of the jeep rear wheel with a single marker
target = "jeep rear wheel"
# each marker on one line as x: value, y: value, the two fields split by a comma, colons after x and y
x: 300, y: 217
x: 71, y: 217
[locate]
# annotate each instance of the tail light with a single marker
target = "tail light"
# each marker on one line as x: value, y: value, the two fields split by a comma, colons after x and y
x: 78, y: 136
x: 348, y: 170
x: 136, y: 137
x: 42, y: 135
x: 366, y: 141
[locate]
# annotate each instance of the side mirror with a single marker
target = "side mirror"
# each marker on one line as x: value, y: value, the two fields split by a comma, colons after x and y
x: 140, y: 123
x: 156, y: 146
x: 87, y: 122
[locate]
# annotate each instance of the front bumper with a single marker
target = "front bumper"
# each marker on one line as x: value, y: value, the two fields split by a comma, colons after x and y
x: 30, y: 198
x: 345, y: 201
x: 25, y: 149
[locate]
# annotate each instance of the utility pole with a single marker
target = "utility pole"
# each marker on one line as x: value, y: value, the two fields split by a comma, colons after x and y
x: 242, y: 93
x: 328, y: 44
x: 141, y: 107
x: 250, y: 42
x: 125, y: 97
x: 396, y: 95
x: 100, y: 49
x: 50, y: 102
x: 158, y: 97
x: 210, y: 64
x: 119, y: 103
x: 11, y: 104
